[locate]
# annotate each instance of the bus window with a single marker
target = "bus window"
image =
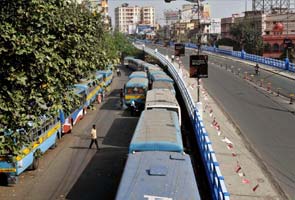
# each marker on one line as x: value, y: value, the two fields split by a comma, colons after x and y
x: 129, y: 91
x: 140, y: 91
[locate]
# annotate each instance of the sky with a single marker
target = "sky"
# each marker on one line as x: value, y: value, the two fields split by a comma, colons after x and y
x: 219, y: 8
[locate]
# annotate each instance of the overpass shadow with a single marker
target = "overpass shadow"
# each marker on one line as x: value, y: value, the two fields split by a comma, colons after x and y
x: 101, y: 177
x: 121, y: 132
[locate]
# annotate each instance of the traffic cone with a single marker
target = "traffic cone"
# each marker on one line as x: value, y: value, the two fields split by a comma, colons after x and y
x: 255, y: 187
x: 238, y: 167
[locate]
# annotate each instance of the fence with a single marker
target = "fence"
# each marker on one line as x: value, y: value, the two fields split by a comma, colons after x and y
x: 216, y: 180
x: 283, y: 65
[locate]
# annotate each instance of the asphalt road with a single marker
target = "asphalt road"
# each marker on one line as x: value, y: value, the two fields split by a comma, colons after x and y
x: 267, y: 122
x: 72, y: 171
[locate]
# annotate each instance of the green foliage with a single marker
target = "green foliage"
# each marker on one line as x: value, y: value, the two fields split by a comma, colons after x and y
x: 291, y: 55
x: 248, y: 36
x: 46, y: 46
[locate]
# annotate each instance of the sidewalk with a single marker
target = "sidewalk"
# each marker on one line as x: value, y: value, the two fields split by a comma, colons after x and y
x: 244, y: 177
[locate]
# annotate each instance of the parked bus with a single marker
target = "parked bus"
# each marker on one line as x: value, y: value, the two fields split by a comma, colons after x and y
x: 107, y: 77
x: 72, y: 118
x: 138, y: 74
x: 162, y: 99
x: 158, y: 175
x: 135, y: 64
x: 135, y: 89
x: 161, y: 77
x: 92, y: 87
x: 41, y: 139
x: 163, y: 86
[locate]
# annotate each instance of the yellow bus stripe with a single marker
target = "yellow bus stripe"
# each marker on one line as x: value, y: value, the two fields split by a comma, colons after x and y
x: 92, y: 93
x: 129, y: 97
x: 35, y: 144
x: 7, y: 170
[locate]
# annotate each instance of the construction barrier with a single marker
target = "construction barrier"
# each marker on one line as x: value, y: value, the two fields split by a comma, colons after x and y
x: 216, y: 180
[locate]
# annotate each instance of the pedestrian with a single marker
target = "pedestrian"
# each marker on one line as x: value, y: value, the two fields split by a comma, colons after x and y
x: 172, y: 58
x: 256, y: 69
x: 121, y: 96
x: 93, y: 137
x: 118, y: 72
x: 133, y: 107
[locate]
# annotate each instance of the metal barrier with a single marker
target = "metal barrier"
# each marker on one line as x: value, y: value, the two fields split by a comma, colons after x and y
x: 216, y: 180
x: 283, y: 65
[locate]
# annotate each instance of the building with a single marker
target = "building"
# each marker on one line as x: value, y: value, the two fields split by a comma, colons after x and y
x: 148, y: 16
x: 171, y: 17
x: 128, y: 17
x: 278, y: 28
x: 226, y: 24
x: 215, y: 26
x: 98, y: 6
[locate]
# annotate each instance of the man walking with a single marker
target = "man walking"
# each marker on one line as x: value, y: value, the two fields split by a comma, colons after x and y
x: 93, y: 137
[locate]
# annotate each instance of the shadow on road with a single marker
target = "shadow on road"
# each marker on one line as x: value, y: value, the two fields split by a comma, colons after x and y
x: 121, y: 132
x: 101, y: 177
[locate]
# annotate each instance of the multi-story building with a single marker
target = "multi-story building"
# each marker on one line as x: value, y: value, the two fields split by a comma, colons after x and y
x: 278, y: 27
x: 148, y: 16
x: 227, y: 23
x: 128, y: 17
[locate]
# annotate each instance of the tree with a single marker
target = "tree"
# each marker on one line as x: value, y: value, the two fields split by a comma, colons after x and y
x: 45, y: 47
x: 248, y: 37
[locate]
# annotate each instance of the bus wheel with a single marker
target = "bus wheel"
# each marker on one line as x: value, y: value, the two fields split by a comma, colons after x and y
x: 35, y: 164
x: 3, y: 179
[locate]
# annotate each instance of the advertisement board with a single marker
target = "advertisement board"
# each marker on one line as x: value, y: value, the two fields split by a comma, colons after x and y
x: 179, y: 49
x: 199, y: 66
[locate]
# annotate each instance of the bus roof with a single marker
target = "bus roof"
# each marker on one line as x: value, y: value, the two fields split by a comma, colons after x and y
x: 160, y: 174
x: 161, y: 98
x: 157, y: 130
x: 137, y: 82
x: 161, y: 77
x: 163, y: 85
x: 138, y: 74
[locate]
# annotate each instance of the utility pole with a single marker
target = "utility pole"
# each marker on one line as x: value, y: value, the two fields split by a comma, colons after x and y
x: 287, y: 50
x: 199, y: 47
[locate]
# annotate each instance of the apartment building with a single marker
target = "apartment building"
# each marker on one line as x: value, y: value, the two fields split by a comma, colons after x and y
x: 128, y: 17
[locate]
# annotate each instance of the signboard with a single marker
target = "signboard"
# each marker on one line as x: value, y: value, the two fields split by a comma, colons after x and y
x: 199, y: 66
x: 179, y: 49
x: 288, y: 43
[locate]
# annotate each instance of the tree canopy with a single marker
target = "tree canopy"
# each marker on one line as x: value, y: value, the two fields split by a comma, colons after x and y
x: 45, y: 48
x: 248, y: 36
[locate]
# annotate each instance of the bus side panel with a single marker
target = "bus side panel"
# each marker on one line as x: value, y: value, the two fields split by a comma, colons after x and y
x: 77, y: 115
x: 24, y: 163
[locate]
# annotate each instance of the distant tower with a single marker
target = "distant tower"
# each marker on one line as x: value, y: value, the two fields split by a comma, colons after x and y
x: 267, y: 6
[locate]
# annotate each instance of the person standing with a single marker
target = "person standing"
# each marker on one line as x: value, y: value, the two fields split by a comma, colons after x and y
x: 121, y: 96
x: 93, y: 137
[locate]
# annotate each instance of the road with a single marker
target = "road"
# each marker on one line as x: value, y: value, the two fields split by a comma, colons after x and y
x: 265, y: 121
x: 72, y: 171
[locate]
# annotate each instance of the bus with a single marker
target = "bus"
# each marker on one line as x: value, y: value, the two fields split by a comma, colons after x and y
x: 163, y: 86
x: 159, y: 175
x: 161, y: 77
x: 135, y: 90
x: 40, y: 140
x: 69, y: 120
x: 92, y: 88
x: 138, y: 74
x: 162, y: 99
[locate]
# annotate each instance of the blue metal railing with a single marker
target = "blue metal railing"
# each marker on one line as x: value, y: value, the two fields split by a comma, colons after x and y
x: 216, y: 180
x: 283, y: 65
